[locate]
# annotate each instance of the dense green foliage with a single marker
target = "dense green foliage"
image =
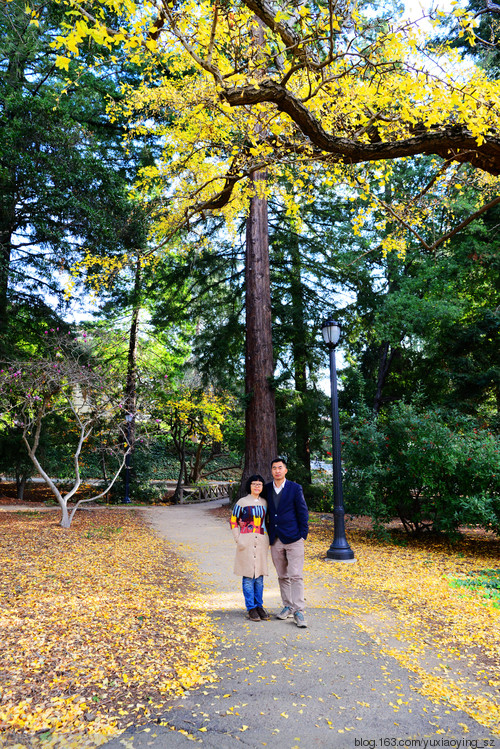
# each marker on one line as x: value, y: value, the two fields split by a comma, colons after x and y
x: 63, y: 172
x: 485, y: 582
x: 420, y: 354
x: 434, y: 470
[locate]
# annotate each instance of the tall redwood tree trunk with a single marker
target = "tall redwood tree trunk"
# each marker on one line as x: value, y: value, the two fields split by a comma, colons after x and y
x: 131, y: 384
x: 260, y: 415
x: 7, y: 220
x: 300, y: 358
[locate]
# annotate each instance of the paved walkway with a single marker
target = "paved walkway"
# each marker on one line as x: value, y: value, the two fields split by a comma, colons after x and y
x: 280, y: 686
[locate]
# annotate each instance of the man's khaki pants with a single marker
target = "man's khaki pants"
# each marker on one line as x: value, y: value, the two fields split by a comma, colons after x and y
x: 289, y: 562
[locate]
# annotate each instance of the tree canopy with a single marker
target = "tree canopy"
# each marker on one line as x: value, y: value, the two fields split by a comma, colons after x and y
x: 232, y: 88
x: 201, y: 164
x: 58, y: 150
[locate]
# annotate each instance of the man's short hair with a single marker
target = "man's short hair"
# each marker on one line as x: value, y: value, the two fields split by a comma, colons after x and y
x: 279, y: 460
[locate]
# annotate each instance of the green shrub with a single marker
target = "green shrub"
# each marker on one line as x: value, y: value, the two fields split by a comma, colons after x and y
x: 319, y: 497
x: 431, y: 469
x: 147, y: 493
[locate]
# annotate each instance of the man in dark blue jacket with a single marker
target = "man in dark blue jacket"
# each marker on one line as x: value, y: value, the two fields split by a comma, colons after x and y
x: 288, y: 527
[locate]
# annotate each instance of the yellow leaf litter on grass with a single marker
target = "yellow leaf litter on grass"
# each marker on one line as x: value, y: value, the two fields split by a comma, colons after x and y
x: 449, y: 637
x: 99, y: 625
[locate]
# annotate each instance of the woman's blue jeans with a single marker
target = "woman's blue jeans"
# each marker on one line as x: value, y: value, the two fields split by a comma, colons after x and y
x: 253, y: 591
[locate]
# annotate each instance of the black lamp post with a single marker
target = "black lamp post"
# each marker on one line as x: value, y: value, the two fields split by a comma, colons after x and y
x: 126, y: 499
x: 339, y: 550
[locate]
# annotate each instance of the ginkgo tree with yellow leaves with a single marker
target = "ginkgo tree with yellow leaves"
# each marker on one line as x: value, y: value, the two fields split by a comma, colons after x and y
x: 322, y: 84
x: 191, y: 416
x: 243, y: 94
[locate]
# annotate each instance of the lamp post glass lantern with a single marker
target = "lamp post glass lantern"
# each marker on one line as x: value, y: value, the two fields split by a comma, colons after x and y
x: 339, y: 550
x: 331, y: 332
x: 126, y: 499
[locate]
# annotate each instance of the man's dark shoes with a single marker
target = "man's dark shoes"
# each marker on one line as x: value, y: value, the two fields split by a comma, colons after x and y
x: 263, y: 613
x: 253, y: 615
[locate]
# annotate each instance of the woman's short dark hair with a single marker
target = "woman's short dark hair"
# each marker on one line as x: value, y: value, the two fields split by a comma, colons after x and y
x: 255, y: 477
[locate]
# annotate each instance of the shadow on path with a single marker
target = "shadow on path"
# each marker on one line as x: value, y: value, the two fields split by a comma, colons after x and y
x: 280, y: 686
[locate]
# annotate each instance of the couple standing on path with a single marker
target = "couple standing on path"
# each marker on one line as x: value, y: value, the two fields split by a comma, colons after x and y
x: 285, y: 511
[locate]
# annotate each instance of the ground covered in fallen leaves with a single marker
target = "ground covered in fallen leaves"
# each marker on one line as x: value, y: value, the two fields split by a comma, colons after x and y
x: 102, y: 624
x: 99, y: 625
x: 402, y: 592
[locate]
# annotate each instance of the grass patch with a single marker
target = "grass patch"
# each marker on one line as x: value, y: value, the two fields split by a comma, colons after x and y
x: 486, y: 583
x: 103, y: 531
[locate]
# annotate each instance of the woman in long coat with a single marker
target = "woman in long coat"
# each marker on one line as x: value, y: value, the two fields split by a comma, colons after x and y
x: 248, y: 525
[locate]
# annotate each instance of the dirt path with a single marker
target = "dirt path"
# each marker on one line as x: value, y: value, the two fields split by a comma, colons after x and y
x: 280, y: 686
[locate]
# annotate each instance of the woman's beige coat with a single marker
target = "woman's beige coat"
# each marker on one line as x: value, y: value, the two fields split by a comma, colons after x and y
x: 251, y: 548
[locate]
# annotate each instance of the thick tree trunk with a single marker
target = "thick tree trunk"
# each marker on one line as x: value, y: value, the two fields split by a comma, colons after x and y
x: 387, y: 355
x: 21, y: 479
x: 6, y: 223
x: 4, y: 283
x: 299, y: 349
x: 260, y: 415
x: 195, y: 471
x: 131, y: 386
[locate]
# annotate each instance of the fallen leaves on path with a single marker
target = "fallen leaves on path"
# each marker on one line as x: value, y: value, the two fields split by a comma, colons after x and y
x: 449, y: 637
x: 99, y: 624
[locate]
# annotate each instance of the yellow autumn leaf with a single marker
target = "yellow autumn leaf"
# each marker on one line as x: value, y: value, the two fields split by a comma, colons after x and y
x: 77, y: 622
x: 62, y: 62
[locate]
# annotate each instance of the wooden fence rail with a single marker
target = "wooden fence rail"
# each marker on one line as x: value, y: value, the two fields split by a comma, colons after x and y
x: 221, y: 490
